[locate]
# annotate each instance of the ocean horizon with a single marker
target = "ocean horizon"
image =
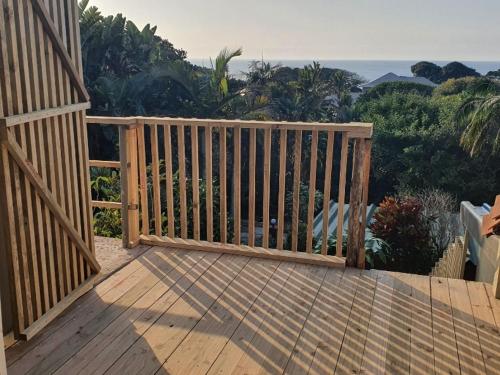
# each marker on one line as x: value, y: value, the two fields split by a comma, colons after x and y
x: 367, y: 69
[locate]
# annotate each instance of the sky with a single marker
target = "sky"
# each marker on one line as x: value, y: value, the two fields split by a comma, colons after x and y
x: 324, y: 29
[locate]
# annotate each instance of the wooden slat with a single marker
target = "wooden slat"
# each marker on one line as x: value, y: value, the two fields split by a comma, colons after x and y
x: 259, y: 252
x: 282, y: 189
x: 50, y: 201
x: 327, y: 191
x: 181, y: 154
x: 312, y: 191
x: 104, y: 164
x: 341, y: 199
x: 266, y: 188
x: 143, y: 179
x: 104, y: 204
x: 35, y: 116
x: 251, y: 186
x: 208, y: 183
x: 195, y: 177
x: 237, y: 185
x: 3, y: 362
x: 155, y: 170
x: 223, y: 184
x: 58, y: 45
x: 297, y: 164
x: 364, y: 205
x: 169, y: 180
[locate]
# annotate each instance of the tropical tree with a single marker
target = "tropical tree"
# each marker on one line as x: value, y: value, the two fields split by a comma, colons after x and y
x: 481, y: 114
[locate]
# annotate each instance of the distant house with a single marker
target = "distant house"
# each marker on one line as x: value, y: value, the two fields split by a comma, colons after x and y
x: 391, y: 77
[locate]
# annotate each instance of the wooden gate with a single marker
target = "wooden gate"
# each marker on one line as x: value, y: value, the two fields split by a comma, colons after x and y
x: 44, y: 179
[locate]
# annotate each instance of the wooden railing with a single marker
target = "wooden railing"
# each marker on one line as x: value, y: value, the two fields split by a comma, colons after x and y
x: 245, y: 187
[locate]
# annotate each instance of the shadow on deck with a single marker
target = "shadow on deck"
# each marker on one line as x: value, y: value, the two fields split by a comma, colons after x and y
x: 186, y: 312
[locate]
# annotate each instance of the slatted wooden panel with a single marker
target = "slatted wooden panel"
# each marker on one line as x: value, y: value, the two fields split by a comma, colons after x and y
x: 44, y: 188
x: 269, y: 177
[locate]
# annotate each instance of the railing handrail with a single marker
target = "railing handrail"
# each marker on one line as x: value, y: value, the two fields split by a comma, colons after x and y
x: 354, y: 129
x: 134, y: 179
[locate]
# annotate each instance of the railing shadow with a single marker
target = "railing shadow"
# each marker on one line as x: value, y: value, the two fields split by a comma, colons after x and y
x: 271, y: 317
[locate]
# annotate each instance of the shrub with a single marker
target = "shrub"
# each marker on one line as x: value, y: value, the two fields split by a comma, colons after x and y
x: 401, y: 223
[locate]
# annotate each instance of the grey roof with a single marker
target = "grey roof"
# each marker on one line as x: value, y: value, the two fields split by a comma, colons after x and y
x: 333, y: 219
x: 391, y: 77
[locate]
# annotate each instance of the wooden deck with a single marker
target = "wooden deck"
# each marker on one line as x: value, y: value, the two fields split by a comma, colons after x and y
x: 182, y: 312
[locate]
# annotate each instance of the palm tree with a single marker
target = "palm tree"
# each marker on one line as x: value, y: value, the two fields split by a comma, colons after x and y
x: 481, y: 115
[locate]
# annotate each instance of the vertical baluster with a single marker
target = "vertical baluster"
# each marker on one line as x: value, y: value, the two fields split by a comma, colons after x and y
x: 208, y: 183
x: 195, y: 176
x: 327, y: 191
x: 364, y: 206
x: 169, y: 181
x: 312, y: 190
x: 181, y: 153
x: 297, y: 162
x: 281, y: 193
x: 155, y: 170
x: 237, y: 185
x: 341, y: 200
x: 267, y: 181
x: 143, y: 179
x: 223, y: 185
x: 251, y: 190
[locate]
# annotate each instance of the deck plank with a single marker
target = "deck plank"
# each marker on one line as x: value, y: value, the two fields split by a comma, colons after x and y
x: 375, y: 353
x: 162, y: 338
x: 353, y: 346
x: 153, y: 273
x: 86, y: 358
x: 322, y: 316
x: 489, y: 337
x: 107, y: 357
x: 469, y: 350
x: 207, y: 339
x: 398, y: 348
x: 421, y: 343
x: 445, y: 346
x: 81, y: 312
x: 239, y: 343
x: 272, y: 346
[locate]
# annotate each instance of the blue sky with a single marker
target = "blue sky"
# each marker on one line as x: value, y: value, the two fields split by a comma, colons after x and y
x: 324, y: 29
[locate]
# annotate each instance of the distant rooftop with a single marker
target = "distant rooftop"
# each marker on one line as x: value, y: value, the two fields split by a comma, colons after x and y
x: 391, y: 77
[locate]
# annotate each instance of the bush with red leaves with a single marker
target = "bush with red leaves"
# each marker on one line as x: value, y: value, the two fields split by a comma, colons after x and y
x: 401, y: 223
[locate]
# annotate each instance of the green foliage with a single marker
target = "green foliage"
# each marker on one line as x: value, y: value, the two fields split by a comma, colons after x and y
x: 376, y: 249
x: 438, y: 74
x: 467, y: 86
x: 105, y: 186
x: 401, y: 223
x: 394, y: 87
x: 417, y: 144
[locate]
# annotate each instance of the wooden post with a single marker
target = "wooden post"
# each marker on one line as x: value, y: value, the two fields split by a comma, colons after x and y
x: 355, y: 203
x: 366, y: 186
x: 3, y: 365
x: 130, y: 186
x: 496, y: 284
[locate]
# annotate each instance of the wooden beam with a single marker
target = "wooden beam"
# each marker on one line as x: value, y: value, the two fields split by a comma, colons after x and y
x: 45, y: 114
x: 104, y: 204
x: 60, y: 48
x: 351, y: 130
x: 258, y: 252
x: 104, y: 164
x: 22, y: 161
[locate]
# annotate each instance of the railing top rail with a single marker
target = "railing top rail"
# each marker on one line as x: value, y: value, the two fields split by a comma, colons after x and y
x: 354, y: 129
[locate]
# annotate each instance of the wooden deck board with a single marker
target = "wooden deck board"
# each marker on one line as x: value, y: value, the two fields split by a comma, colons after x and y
x: 187, y: 312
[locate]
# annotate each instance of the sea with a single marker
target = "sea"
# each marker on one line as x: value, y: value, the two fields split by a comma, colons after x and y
x: 367, y: 69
